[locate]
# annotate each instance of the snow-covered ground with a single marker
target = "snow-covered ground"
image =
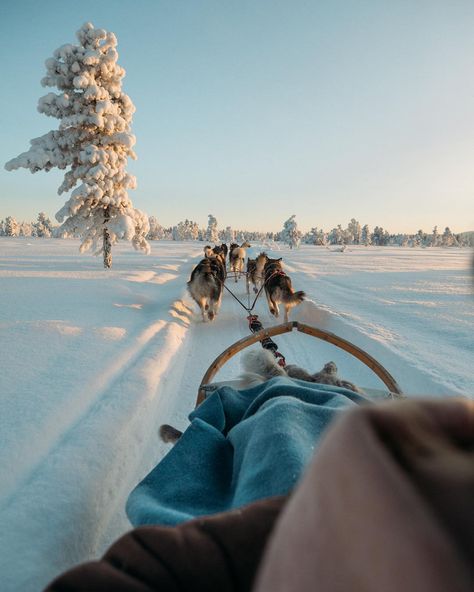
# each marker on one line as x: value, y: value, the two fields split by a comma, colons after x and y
x: 93, y: 361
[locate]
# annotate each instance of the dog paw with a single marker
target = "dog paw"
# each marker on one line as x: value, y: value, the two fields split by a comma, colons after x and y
x: 169, y: 434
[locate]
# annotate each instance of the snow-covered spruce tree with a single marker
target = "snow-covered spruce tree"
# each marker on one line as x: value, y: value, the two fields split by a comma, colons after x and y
x: 43, y: 226
x: 25, y: 229
x: 229, y: 235
x: 290, y: 234
x: 354, y: 231
x: 365, y: 236
x: 212, y: 236
x: 447, y: 240
x: 12, y: 228
x: 93, y: 141
x: 156, y: 231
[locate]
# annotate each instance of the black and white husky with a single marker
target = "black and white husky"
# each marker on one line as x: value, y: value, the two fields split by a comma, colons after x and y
x: 278, y: 288
x: 206, y: 285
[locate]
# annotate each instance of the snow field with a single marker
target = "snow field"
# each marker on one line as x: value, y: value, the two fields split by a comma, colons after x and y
x: 94, y: 361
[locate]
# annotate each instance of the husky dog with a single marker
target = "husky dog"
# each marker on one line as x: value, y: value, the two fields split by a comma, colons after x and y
x: 231, y: 248
x: 278, y: 288
x: 221, y: 252
x: 251, y: 267
x: 261, y: 365
x: 225, y: 250
x: 237, y: 258
x: 255, y: 272
x: 206, y: 285
x: 208, y: 251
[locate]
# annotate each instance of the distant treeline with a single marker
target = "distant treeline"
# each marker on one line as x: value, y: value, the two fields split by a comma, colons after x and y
x: 353, y: 234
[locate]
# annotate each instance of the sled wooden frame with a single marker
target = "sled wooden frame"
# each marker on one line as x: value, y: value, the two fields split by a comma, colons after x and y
x: 347, y: 346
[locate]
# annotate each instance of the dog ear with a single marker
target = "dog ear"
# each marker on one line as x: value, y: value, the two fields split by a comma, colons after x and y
x: 280, y: 259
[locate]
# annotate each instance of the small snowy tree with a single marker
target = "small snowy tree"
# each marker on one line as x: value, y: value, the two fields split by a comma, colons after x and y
x: 212, y: 236
x: 435, y: 237
x: 365, y: 236
x: 43, y: 226
x: 336, y: 235
x: 447, y: 240
x: 354, y: 232
x: 378, y: 236
x: 290, y: 233
x: 93, y: 140
x: 311, y: 237
x: 12, y: 228
x: 156, y: 231
x: 229, y: 235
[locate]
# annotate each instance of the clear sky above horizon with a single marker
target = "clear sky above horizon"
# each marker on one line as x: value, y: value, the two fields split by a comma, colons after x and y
x: 254, y: 110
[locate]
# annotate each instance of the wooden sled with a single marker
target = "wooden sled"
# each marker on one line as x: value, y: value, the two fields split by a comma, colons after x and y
x: 235, y: 348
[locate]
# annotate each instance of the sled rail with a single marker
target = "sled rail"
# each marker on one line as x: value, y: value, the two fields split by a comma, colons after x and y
x: 347, y: 346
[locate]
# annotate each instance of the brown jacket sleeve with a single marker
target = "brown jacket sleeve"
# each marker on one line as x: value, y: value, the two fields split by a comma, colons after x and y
x: 216, y: 553
x: 387, y: 505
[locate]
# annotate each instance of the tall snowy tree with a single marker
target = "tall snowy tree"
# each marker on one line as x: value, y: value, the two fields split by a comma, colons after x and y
x: 290, y: 233
x: 212, y: 235
x: 93, y: 140
x: 435, y: 237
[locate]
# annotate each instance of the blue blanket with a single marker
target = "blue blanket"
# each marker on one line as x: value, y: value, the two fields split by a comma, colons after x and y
x: 241, y: 446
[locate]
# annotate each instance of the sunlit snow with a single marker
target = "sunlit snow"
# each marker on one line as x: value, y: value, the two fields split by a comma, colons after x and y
x: 94, y: 361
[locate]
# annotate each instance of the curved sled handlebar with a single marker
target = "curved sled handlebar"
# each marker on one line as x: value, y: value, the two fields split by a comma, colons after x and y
x: 349, y: 347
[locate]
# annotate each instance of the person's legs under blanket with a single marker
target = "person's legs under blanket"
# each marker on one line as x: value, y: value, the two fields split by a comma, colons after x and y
x: 241, y: 446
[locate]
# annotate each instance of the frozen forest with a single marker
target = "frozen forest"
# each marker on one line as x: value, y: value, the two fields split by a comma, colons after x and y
x: 353, y: 234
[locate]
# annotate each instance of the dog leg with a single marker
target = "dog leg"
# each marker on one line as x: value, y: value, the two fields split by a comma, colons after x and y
x: 276, y: 314
x: 287, y: 308
x: 204, y: 306
x: 269, y: 301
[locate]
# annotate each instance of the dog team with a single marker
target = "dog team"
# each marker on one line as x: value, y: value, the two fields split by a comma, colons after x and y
x: 206, y: 284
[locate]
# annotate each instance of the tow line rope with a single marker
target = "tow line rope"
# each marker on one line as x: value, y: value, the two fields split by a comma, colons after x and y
x: 255, y: 325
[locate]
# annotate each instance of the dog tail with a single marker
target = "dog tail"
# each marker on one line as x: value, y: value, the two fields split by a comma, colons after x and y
x: 294, y: 298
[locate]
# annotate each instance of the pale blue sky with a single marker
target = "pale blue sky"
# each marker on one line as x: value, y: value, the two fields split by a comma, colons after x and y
x: 256, y: 110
